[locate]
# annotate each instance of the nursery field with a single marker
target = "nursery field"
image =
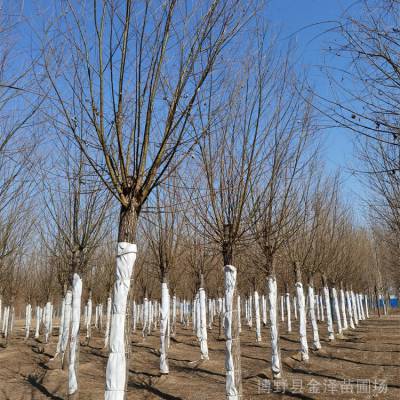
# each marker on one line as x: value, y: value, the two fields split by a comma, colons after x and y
x: 364, y: 364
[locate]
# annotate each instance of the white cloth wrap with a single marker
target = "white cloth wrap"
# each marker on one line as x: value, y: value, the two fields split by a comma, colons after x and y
x: 67, y: 320
x: 321, y: 306
x: 116, y: 364
x: 361, y: 297
x: 337, y: 311
x: 273, y: 316
x: 343, y: 309
x: 47, y: 320
x: 27, y: 320
x: 75, y: 319
x: 314, y: 325
x: 250, y: 311
x: 145, y: 315
x: 302, y: 321
x: 230, y: 283
x: 282, y: 309
x: 354, y: 307
x: 366, y: 305
x: 108, y: 320
x: 288, y: 313
x: 173, y: 312
x: 317, y: 306
x: 331, y: 335
x: 164, y: 321
x: 264, y: 309
x: 89, y: 317
x: 198, y: 317
x: 37, y: 322
x: 257, y: 315
x: 349, y: 309
x: 60, y: 330
x: 239, y: 314
x: 203, y: 325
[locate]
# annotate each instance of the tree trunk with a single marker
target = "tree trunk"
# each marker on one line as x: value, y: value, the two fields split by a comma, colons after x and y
x: 331, y: 335
x: 66, y: 329
x: 118, y: 359
x: 232, y: 344
x: 257, y: 316
x: 164, y: 321
x: 203, y: 321
x: 337, y: 311
x: 73, y: 367
x: 288, y: 311
x: 302, y: 314
x: 272, y: 293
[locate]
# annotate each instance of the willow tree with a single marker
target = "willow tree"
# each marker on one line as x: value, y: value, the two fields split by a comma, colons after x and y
x: 75, y: 214
x: 163, y: 231
x: 137, y: 71
x: 232, y: 160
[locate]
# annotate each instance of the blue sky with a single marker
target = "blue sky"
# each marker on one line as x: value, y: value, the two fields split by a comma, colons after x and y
x: 305, y: 22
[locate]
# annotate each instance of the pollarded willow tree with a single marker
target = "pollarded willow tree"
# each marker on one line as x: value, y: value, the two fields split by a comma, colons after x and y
x: 137, y: 71
x: 289, y: 133
x: 233, y: 161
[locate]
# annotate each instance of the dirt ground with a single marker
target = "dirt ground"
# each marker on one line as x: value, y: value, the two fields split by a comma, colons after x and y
x: 365, y: 364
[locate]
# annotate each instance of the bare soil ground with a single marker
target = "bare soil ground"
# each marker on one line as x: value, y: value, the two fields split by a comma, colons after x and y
x: 365, y: 364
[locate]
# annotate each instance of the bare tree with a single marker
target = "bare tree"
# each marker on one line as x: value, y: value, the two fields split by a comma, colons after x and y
x: 137, y: 71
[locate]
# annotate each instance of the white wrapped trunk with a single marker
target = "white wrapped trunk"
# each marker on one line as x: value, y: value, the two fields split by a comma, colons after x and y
x: 366, y: 306
x: 164, y: 321
x: 232, y: 392
x: 198, y: 316
x: 360, y: 296
x: 89, y: 318
x: 145, y: 316
x: 337, y: 312
x: 295, y: 307
x: 116, y: 364
x: 321, y: 306
x: 37, y: 322
x: 108, y: 321
x: 282, y: 309
x: 5, y: 320
x: 250, y: 311
x: 331, y: 335
x: 349, y: 309
x: 343, y: 309
x: 257, y: 315
x: 203, y: 325
x: 288, y: 313
x: 354, y: 307
x: 173, y: 314
x: 264, y: 310
x: 67, y: 322
x: 60, y: 329
x: 314, y: 325
x: 273, y: 323
x: 28, y: 317
x: 302, y: 322
x: 239, y: 314
x: 47, y: 321
x: 74, y: 342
